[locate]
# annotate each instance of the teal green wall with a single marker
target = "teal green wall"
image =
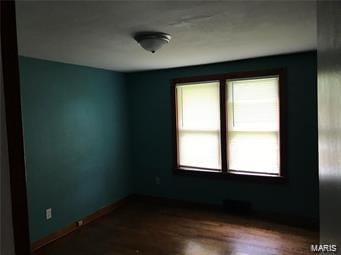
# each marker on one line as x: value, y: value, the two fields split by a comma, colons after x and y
x: 75, y: 133
x: 151, y: 136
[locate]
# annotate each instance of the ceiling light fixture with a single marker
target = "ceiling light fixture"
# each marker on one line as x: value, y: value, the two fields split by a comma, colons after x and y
x: 152, y: 41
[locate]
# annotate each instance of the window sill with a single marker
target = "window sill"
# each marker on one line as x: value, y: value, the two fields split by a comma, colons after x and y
x: 232, y: 175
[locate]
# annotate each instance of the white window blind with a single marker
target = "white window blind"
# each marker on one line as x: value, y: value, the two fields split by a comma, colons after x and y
x: 198, y: 118
x: 253, y: 125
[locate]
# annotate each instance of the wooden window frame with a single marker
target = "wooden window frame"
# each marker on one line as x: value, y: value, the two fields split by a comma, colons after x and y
x: 225, y: 172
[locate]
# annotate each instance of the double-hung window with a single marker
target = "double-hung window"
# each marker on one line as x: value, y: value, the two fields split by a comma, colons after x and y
x: 230, y: 124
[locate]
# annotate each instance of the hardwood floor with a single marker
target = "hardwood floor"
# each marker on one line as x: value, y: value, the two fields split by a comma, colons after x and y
x: 154, y: 227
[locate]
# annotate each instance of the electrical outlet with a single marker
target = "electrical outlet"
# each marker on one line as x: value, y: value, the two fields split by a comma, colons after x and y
x: 48, y: 213
x: 157, y: 180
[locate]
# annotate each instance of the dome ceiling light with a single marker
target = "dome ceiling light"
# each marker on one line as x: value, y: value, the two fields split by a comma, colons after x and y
x: 152, y: 41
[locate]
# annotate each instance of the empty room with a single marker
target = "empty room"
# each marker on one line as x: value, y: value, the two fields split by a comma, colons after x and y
x: 166, y: 127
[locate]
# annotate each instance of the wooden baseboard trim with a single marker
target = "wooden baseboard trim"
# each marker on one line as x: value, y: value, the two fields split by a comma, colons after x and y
x: 36, y: 245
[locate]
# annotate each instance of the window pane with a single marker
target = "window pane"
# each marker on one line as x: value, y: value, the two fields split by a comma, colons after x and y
x: 253, y: 125
x: 254, y: 152
x: 199, y: 149
x: 254, y: 104
x: 198, y: 116
x: 198, y: 106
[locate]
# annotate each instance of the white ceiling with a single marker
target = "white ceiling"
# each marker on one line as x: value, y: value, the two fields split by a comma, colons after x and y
x: 99, y: 34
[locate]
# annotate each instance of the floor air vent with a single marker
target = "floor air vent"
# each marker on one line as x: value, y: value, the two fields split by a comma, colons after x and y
x: 237, y: 206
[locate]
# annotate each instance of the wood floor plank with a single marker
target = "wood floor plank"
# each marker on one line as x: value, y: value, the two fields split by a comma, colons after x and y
x: 147, y: 227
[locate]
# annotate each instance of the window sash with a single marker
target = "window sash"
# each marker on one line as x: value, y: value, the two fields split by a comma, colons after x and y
x: 266, y: 150
x: 198, y: 129
x: 253, y: 125
x: 208, y: 157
